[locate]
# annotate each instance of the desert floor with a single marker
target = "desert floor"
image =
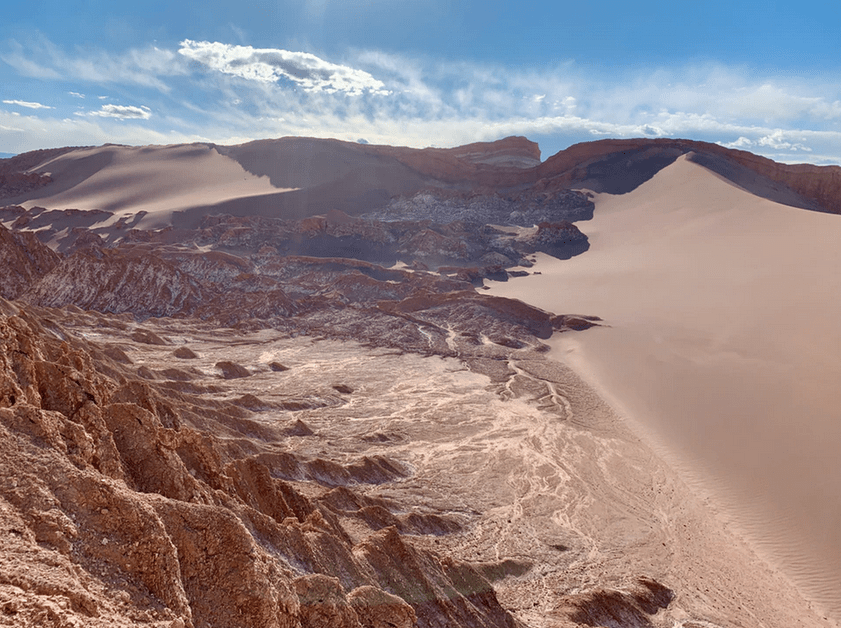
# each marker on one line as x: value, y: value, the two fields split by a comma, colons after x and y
x: 551, y: 489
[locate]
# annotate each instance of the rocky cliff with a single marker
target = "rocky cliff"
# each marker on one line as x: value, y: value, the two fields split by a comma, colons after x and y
x: 24, y: 260
x: 123, y: 502
x: 618, y: 166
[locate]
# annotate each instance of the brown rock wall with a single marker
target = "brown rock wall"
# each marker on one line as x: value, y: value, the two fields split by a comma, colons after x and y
x: 24, y: 260
x: 122, y: 511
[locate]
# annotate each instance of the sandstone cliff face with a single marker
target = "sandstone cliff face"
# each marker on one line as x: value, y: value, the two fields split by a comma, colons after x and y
x: 616, y: 166
x: 314, y: 176
x: 19, y: 183
x: 110, y: 281
x: 249, y: 275
x: 15, y: 180
x: 491, y: 164
x: 819, y: 183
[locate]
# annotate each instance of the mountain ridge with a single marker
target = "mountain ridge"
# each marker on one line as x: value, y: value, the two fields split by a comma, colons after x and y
x: 309, y: 176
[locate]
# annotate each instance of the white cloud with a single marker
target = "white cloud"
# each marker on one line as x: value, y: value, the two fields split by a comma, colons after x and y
x: 779, y: 140
x: 770, y: 101
x: 649, y: 131
x: 24, y: 133
x: 226, y: 93
x: 270, y: 65
x: 123, y: 112
x: 44, y: 60
x: 567, y: 103
x: 741, y: 143
x: 28, y: 105
x: 76, y: 94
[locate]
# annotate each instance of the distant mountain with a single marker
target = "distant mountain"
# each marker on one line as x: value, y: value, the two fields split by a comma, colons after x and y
x: 296, y: 177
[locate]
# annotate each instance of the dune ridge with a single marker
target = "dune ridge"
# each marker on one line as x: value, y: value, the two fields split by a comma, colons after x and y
x: 720, y: 343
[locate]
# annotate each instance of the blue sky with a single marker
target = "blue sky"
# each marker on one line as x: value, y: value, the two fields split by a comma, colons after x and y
x: 763, y: 76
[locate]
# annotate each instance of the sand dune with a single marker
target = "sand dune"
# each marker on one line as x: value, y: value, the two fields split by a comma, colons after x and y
x: 723, y: 348
x: 156, y: 180
x: 284, y: 178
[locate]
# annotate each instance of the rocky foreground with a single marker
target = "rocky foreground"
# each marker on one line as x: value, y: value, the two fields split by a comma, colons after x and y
x: 134, y: 497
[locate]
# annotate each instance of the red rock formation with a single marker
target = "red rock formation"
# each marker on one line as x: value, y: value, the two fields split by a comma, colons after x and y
x: 122, y: 503
x: 634, y: 607
x: 24, y: 260
x: 491, y: 164
x: 355, y: 178
x: 113, y: 281
x: 441, y: 592
x: 17, y: 183
x: 15, y: 176
x: 377, y: 609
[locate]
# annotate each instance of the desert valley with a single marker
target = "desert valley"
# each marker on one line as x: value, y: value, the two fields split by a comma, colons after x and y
x: 308, y: 383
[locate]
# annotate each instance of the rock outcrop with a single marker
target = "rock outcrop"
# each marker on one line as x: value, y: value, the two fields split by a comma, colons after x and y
x: 19, y: 183
x: 16, y: 177
x: 618, y: 166
x: 122, y: 504
x: 24, y: 260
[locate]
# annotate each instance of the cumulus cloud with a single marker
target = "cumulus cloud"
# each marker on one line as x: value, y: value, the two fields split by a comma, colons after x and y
x: 270, y: 65
x: 779, y: 140
x: 123, y: 112
x: 28, y: 105
x: 651, y: 131
x: 742, y: 143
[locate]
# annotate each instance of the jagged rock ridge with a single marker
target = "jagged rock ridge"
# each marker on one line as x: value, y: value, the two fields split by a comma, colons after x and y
x: 155, y: 516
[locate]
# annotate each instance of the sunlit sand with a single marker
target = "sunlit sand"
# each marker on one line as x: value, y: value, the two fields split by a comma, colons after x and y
x: 155, y: 180
x: 722, y: 349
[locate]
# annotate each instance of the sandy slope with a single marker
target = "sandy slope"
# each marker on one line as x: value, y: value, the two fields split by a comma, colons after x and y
x: 723, y: 347
x: 286, y: 178
x: 155, y: 180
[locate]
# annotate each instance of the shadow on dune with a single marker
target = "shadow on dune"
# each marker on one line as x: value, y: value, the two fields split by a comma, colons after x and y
x: 753, y: 182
